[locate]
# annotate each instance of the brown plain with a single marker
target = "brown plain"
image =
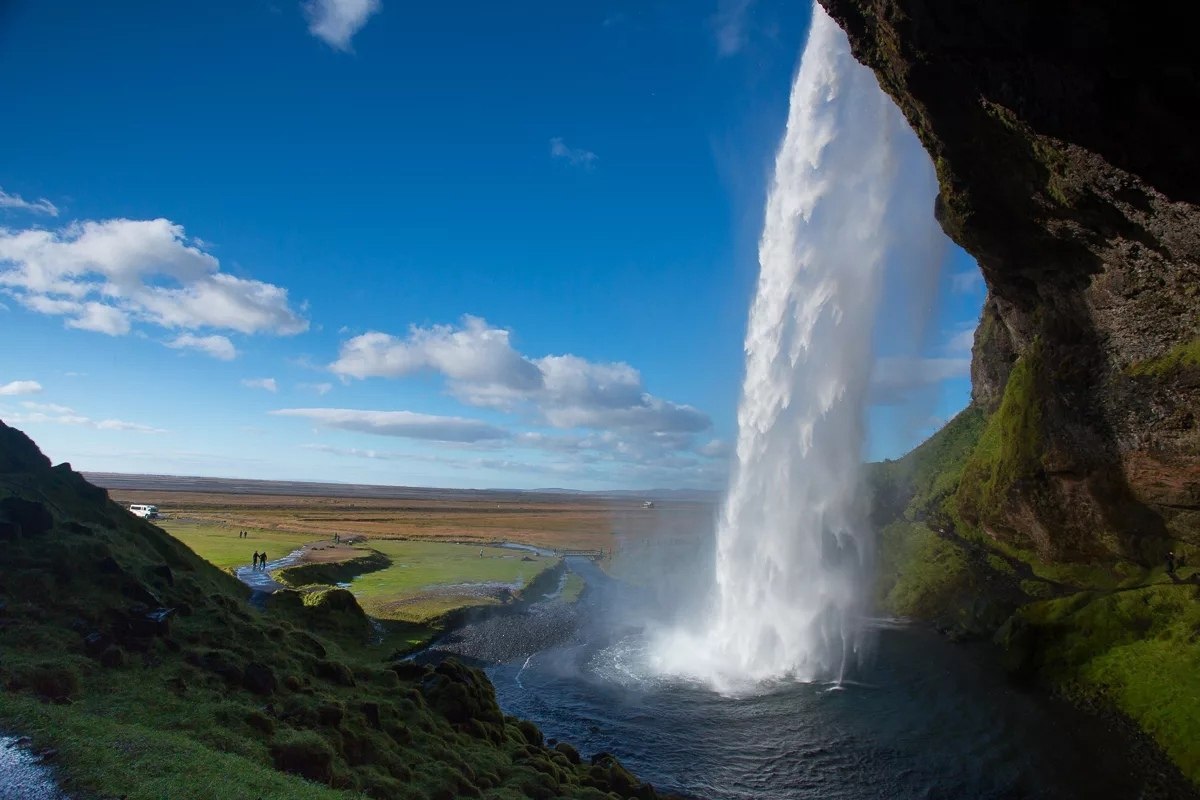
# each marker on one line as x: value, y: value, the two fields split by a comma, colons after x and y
x: 573, y: 522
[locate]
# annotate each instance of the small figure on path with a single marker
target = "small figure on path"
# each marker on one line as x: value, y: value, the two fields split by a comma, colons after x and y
x: 1170, y: 561
x: 481, y: 552
x: 262, y: 560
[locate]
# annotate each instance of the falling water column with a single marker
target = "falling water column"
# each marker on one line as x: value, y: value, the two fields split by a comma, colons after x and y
x: 792, y: 551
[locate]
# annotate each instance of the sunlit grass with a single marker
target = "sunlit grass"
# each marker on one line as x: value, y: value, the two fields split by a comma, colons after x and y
x: 221, y: 545
x: 414, y: 587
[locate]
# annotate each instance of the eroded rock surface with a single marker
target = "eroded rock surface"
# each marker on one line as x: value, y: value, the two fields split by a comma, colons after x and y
x: 1064, y: 140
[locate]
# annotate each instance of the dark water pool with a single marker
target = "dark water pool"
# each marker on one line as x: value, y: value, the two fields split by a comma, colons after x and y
x: 922, y: 719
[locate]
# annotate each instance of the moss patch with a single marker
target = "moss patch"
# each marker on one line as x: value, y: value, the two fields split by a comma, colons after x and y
x: 920, y: 574
x: 1138, y: 649
x: 1009, y: 449
x: 1183, y: 355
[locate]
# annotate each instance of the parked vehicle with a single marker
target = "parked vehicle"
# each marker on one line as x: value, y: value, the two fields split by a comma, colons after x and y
x: 145, y: 512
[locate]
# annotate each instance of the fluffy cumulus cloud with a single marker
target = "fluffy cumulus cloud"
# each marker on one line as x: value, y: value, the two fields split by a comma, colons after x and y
x: 402, y: 424
x: 105, y: 276
x: 483, y: 369
x: 592, y: 418
x: 475, y: 357
x: 336, y: 21
x: 266, y: 384
x: 216, y: 346
x: 53, y: 414
x: 575, y: 156
x: 17, y: 203
x: 19, y: 387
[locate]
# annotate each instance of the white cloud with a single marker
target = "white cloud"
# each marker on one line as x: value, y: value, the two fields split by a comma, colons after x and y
x: 321, y: 389
x: 101, y: 319
x: 575, y: 156
x: 53, y: 414
x: 216, y: 346
x: 403, y: 424
x: 483, y: 369
x: 731, y: 25
x: 266, y: 384
x: 19, y: 387
x: 893, y: 378
x: 474, y: 355
x: 18, y: 203
x: 336, y: 21
x: 968, y: 281
x: 47, y: 408
x: 106, y: 275
x: 962, y: 340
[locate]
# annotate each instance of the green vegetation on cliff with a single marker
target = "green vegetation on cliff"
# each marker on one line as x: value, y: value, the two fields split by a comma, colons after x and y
x: 1008, y: 451
x: 1136, y: 649
x: 920, y: 483
x: 152, y: 676
x: 920, y: 574
x: 1183, y: 355
x: 1110, y: 634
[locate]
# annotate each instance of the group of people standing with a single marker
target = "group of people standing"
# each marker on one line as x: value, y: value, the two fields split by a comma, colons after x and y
x: 260, y: 560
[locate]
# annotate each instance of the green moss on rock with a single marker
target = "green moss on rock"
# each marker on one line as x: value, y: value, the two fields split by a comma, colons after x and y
x: 1008, y: 452
x: 1179, y: 357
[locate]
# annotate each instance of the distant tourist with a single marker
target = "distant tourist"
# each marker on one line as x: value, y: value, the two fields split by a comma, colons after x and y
x: 1171, y: 561
x: 262, y: 561
x: 481, y: 552
x: 256, y: 559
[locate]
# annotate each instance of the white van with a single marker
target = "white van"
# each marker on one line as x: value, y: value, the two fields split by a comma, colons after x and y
x: 145, y: 512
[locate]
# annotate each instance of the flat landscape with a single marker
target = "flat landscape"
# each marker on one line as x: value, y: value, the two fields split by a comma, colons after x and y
x: 546, y: 520
x: 415, y: 556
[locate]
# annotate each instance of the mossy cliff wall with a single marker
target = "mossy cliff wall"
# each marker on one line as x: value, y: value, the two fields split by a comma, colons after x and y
x: 1064, y: 141
x: 1063, y: 138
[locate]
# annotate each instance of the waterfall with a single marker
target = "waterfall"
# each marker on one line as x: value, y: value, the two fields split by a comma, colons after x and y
x: 852, y: 198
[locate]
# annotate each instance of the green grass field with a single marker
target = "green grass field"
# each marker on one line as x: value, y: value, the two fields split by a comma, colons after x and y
x: 419, y: 586
x: 420, y: 583
x: 221, y: 546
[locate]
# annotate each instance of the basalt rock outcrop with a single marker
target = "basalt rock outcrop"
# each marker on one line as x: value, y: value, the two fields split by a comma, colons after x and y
x: 1064, y: 139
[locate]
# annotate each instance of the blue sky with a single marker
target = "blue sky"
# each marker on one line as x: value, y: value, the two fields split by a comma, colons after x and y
x: 468, y: 245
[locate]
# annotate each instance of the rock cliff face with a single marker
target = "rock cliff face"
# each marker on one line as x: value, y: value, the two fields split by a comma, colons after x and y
x: 1064, y: 141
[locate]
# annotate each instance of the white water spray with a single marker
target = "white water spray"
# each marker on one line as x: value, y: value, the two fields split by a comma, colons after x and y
x: 852, y: 195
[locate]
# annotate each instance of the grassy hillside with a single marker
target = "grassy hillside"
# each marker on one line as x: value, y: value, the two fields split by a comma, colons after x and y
x: 148, y: 671
x: 1110, y: 634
